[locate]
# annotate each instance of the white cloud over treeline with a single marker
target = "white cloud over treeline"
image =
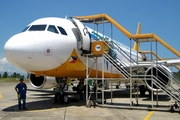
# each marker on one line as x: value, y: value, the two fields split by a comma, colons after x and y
x: 8, y: 67
x: 4, y: 61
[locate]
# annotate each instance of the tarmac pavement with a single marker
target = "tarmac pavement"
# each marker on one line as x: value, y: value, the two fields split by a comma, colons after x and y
x: 41, y: 106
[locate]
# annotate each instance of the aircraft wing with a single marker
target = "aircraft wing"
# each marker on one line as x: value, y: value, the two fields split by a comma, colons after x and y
x: 145, y: 64
x: 168, y: 63
x: 51, y: 92
x: 171, y: 62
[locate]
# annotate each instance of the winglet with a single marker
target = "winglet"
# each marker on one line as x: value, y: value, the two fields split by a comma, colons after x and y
x: 136, y: 45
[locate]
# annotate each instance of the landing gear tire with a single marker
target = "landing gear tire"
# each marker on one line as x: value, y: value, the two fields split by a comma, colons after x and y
x: 142, y: 90
x: 57, y: 97
x: 61, y: 98
x: 64, y: 98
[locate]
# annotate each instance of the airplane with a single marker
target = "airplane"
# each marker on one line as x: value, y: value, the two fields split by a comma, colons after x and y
x: 53, y: 49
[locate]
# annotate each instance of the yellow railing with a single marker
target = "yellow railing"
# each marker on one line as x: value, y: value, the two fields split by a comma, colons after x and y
x: 101, y: 17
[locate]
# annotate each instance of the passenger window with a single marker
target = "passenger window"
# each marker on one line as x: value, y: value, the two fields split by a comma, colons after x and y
x: 37, y: 28
x: 52, y: 28
x: 63, y: 32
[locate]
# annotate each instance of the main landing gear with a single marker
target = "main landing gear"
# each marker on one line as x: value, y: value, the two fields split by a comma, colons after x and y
x: 61, y: 96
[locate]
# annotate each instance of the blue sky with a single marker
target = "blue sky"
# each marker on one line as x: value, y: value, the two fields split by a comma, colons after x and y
x: 161, y: 17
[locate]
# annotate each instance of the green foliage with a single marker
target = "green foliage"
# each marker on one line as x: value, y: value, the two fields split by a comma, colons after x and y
x: 178, y: 73
x: 5, y: 74
x: 14, y: 75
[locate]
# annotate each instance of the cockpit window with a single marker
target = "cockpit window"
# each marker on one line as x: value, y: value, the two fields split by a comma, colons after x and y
x: 37, y: 28
x: 25, y: 28
x: 52, y: 28
x: 63, y: 32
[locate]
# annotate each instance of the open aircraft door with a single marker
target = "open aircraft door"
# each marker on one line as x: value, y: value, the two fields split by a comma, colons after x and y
x: 84, y: 41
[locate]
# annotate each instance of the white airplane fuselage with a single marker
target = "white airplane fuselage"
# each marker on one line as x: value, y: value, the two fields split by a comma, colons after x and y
x: 45, y: 53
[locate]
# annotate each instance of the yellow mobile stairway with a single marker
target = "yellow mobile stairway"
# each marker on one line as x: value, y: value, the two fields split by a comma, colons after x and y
x: 135, y: 66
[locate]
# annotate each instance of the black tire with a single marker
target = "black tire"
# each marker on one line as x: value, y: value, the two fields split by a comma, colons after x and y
x: 64, y: 98
x: 142, y: 90
x: 57, y: 97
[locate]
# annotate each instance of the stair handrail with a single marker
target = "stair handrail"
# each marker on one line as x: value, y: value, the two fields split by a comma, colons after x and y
x: 171, y: 76
x: 127, y: 56
x: 168, y: 92
x: 119, y: 49
x: 122, y: 70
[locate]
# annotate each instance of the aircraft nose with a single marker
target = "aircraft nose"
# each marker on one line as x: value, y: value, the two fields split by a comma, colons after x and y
x: 19, y: 50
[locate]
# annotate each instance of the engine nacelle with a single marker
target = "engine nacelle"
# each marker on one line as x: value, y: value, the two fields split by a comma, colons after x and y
x: 42, y: 82
x: 162, y: 73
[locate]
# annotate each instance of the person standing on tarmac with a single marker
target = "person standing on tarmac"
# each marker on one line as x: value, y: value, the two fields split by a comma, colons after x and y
x: 81, y: 88
x: 21, y: 89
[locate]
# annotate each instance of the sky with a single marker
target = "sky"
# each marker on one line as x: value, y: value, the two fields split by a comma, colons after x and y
x: 160, y: 17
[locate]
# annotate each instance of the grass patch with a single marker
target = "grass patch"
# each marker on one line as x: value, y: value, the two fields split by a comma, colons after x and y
x: 2, y: 80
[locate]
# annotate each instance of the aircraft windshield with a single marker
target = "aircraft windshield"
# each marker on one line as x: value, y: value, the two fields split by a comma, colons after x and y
x: 37, y: 28
x: 25, y: 28
x: 52, y: 28
x: 63, y: 32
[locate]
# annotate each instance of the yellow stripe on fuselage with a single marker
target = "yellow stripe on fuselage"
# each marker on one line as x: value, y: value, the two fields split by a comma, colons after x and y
x: 73, y: 68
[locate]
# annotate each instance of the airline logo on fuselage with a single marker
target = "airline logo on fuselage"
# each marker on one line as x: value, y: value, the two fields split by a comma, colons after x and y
x: 73, y: 59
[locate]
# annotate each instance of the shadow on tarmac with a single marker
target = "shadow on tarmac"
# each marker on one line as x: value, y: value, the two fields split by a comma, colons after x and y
x: 44, y: 100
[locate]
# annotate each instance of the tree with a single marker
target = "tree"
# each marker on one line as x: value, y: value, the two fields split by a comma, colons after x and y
x: 28, y: 74
x: 0, y: 75
x: 5, y: 74
x: 14, y: 75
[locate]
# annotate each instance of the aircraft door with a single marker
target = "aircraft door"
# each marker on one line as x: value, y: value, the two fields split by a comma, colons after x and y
x: 84, y: 42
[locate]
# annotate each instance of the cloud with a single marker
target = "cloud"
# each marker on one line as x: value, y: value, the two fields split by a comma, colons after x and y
x: 3, y: 61
x: 8, y: 67
x: 3, y: 64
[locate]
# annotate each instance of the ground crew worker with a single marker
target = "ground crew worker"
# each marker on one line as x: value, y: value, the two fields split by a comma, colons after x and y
x: 81, y: 88
x: 21, y: 89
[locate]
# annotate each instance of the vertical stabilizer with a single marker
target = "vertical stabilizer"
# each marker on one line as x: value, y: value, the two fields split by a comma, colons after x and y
x: 136, y: 45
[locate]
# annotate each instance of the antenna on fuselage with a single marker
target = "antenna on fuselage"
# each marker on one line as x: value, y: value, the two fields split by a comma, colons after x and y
x: 66, y: 17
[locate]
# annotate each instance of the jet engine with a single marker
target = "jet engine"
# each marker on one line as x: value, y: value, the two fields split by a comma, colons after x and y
x: 42, y: 82
x: 159, y: 74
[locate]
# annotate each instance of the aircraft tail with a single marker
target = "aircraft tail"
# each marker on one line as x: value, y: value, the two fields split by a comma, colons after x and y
x: 137, y: 45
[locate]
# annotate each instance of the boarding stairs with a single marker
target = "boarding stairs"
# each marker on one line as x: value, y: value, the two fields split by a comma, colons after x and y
x: 118, y: 65
x: 121, y: 65
x: 171, y: 90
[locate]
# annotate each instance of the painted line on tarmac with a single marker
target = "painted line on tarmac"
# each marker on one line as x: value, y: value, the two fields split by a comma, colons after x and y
x: 1, y: 96
x: 149, y: 115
